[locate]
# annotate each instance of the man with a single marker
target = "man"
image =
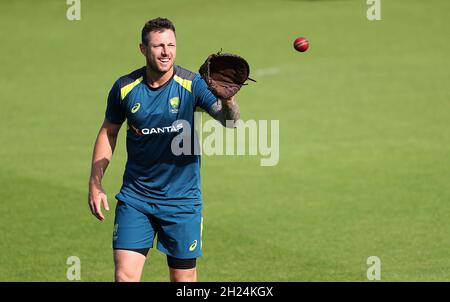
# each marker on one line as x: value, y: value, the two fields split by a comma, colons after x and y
x: 161, y: 193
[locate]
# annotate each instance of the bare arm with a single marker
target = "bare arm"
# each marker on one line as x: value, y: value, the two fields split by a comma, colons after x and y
x: 226, y: 112
x: 103, y: 151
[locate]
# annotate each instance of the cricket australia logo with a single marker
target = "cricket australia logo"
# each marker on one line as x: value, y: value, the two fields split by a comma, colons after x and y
x: 174, y: 104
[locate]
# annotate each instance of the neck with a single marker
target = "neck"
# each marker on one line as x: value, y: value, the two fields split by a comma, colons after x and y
x: 156, y: 79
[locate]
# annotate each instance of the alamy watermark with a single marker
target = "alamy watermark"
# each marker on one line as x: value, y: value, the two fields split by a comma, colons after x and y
x: 211, y: 138
x: 74, y: 10
x: 374, y: 10
x: 374, y: 270
x: 74, y: 270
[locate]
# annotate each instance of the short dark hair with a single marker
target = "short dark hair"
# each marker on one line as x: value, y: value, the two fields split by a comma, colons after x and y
x: 158, y: 24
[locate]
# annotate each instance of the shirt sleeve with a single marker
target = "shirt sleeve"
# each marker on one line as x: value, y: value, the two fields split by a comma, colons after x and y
x: 114, y: 110
x: 203, y: 96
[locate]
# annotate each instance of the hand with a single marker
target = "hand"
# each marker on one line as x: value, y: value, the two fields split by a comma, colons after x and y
x: 96, y: 197
x: 229, y: 102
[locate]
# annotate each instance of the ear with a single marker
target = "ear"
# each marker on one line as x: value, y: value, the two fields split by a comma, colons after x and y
x: 143, y: 48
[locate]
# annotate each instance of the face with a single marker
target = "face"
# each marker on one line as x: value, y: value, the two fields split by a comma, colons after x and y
x: 160, y: 51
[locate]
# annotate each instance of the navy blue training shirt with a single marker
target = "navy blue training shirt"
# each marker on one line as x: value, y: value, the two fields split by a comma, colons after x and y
x: 153, y: 173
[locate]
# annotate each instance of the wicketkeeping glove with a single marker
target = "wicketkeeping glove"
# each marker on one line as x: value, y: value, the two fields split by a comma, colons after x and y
x: 225, y: 74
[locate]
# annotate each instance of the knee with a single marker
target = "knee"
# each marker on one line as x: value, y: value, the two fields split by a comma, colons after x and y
x: 183, y: 275
x: 123, y: 276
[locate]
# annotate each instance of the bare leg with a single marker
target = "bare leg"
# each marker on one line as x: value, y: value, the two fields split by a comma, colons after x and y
x: 128, y: 265
x: 183, y: 275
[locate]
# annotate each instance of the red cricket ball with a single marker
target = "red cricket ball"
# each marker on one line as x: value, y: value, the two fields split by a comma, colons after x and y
x: 301, y: 44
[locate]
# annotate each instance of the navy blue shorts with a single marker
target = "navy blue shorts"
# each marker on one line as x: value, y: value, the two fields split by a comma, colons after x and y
x: 178, y: 228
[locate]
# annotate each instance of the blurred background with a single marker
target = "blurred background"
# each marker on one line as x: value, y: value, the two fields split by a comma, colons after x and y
x: 364, y: 138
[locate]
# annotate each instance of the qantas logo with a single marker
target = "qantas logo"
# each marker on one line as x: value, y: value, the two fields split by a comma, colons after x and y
x: 158, y: 130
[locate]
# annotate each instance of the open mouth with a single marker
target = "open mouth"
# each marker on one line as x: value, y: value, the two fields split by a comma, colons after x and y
x: 164, y: 60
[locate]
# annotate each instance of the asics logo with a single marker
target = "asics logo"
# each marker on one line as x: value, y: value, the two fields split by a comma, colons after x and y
x: 136, y: 108
x: 193, y: 246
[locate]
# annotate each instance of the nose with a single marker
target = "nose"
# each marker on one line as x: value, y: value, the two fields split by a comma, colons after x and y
x: 164, y: 50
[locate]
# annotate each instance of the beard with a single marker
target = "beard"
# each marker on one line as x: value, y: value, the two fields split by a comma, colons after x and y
x: 157, y: 67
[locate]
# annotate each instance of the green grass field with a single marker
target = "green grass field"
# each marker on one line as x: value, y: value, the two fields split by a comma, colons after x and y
x: 364, y: 117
